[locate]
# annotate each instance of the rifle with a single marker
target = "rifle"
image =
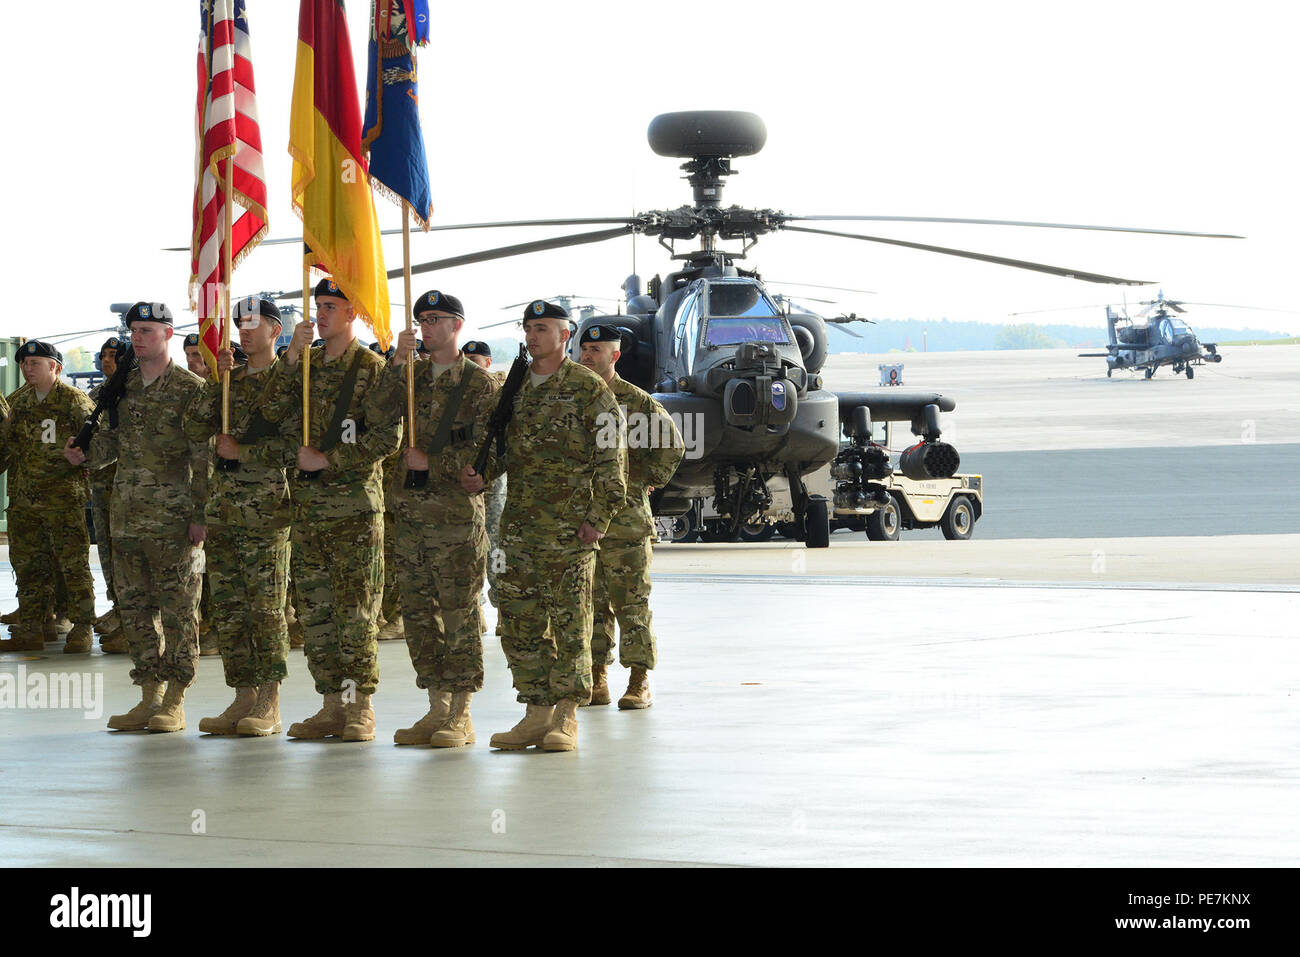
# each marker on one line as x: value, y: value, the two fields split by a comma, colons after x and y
x: 109, y: 396
x: 500, y: 418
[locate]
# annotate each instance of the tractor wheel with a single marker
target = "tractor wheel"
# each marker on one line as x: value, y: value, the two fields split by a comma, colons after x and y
x: 959, y: 521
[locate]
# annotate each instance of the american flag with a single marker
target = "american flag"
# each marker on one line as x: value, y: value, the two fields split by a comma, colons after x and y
x: 225, y: 126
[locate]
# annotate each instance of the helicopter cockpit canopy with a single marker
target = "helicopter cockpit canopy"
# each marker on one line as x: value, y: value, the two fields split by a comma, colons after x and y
x: 739, y: 311
x: 1171, y: 330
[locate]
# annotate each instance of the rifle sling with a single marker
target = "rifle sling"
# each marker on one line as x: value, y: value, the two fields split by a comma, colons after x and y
x: 341, y: 404
x: 444, y: 434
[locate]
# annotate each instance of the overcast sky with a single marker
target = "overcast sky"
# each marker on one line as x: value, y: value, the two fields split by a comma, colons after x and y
x: 1168, y: 115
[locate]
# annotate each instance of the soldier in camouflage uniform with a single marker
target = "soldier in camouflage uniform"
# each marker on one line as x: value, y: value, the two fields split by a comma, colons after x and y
x: 494, y: 498
x: 47, y: 499
x: 441, y: 548
x: 248, y: 515
x: 109, y: 624
x: 564, y: 487
x: 622, y: 589
x: 156, y: 517
x: 338, y: 529
x: 207, y: 635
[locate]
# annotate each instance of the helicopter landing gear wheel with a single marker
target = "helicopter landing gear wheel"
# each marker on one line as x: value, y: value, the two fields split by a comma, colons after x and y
x: 684, y: 529
x: 1191, y: 373
x: 959, y: 521
x: 817, y: 524
x: 884, y: 522
x: 757, y: 532
x: 1151, y: 370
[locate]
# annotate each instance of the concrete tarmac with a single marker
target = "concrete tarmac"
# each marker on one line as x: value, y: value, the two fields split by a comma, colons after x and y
x: 797, y: 721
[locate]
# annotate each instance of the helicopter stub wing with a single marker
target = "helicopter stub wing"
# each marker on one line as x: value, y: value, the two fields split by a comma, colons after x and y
x: 890, y: 405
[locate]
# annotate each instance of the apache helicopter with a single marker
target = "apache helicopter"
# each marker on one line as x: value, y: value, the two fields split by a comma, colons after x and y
x: 719, y: 352
x: 1165, y: 340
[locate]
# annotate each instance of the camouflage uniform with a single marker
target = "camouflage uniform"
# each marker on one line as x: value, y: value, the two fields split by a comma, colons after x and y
x: 494, y: 502
x: 622, y: 587
x: 560, y: 476
x: 247, y: 545
x: 338, y: 527
x: 101, y: 486
x: 160, y: 490
x: 441, y: 547
x: 47, y: 501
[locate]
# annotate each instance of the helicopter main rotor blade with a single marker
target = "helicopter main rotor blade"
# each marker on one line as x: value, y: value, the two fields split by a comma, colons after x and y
x: 813, y: 285
x: 1012, y: 222
x: 503, y: 252
x: 625, y: 220
x: 982, y: 257
x: 848, y: 332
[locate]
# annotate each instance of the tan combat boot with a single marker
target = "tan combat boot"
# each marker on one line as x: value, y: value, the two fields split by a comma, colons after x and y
x: 23, y: 638
x: 105, y: 623
x: 527, y: 733
x: 297, y: 635
x: 171, y: 716
x: 264, y: 719
x: 137, y: 719
x: 637, y: 695
x: 225, y: 722
x: 79, y: 640
x: 458, y: 730
x: 10, y: 618
x: 50, y: 630
x: 114, y: 643
x: 62, y: 625
x: 599, y: 686
x: 360, y: 720
x: 325, y: 723
x: 563, y: 735
x: 422, y: 730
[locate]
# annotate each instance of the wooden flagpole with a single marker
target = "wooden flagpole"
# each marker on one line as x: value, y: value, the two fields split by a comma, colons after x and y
x: 225, y: 294
x: 410, y: 362
x: 306, y: 353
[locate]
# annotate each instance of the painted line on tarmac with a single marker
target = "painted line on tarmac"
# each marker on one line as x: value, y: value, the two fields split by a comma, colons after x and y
x: 753, y: 579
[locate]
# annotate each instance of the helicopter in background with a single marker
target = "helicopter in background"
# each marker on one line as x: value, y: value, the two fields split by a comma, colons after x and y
x: 737, y: 369
x: 1164, y: 340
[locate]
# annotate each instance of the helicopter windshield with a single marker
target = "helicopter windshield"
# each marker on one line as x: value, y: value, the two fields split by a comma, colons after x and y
x: 741, y: 312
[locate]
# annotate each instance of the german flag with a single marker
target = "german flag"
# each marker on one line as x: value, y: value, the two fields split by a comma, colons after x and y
x: 331, y: 180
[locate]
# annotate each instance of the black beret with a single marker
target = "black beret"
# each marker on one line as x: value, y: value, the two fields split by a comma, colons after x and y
x: 281, y: 350
x: 328, y: 287
x: 421, y: 348
x: 34, y: 347
x: 476, y: 348
x: 192, y: 339
x: 541, y: 309
x: 251, y: 306
x: 318, y: 342
x: 387, y: 353
x: 433, y: 300
x: 148, y: 311
x: 600, y: 334
x: 113, y: 342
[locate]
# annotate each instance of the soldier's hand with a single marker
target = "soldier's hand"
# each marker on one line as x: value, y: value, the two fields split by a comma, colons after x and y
x: 197, y: 534
x: 225, y: 361
x: 417, y: 461
x: 303, y: 336
x: 470, y: 480
x: 588, y: 535
x: 309, y: 460
x: 227, y: 447
x: 405, y: 346
x: 73, y: 455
